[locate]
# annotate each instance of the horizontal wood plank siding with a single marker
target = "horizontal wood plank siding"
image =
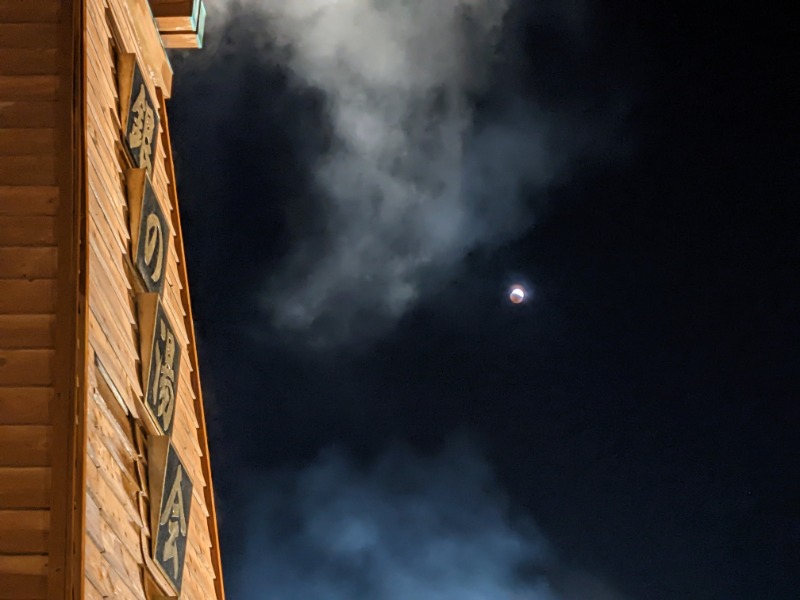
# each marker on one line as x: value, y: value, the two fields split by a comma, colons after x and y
x: 36, y: 162
x: 116, y: 564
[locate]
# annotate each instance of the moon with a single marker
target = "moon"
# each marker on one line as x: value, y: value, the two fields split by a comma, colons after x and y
x: 517, y: 294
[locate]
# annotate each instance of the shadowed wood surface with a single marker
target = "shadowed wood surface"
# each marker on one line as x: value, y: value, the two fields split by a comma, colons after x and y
x: 31, y: 84
x: 37, y: 249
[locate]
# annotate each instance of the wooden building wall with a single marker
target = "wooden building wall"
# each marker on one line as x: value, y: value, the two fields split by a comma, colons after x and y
x: 54, y: 293
x: 37, y: 298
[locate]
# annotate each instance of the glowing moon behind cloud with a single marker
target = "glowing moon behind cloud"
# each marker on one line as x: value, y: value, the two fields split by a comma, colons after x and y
x: 517, y: 295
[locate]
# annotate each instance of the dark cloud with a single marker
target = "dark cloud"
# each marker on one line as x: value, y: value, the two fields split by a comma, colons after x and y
x: 399, y: 527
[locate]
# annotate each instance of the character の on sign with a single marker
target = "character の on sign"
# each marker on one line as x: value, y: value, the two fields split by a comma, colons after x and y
x: 152, y: 231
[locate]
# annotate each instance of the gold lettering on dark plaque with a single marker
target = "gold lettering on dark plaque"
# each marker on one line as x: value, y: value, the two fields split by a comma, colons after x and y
x: 163, y: 380
x: 172, y: 526
x: 152, y: 240
x: 174, y: 517
x: 140, y: 117
x: 142, y: 130
x: 154, y: 246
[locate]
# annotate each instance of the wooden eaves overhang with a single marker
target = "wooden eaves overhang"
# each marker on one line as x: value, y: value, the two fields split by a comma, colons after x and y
x: 181, y: 23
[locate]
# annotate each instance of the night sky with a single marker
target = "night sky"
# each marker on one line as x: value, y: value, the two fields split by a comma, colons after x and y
x: 384, y: 423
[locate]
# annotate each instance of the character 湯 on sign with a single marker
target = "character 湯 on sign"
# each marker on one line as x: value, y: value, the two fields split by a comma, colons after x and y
x: 161, y: 360
x: 162, y: 395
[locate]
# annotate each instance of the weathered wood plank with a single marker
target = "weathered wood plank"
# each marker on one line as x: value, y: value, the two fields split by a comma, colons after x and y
x: 196, y: 571
x: 113, y: 284
x: 120, y: 357
x: 26, y: 11
x: 120, y: 504
x: 24, y: 564
x: 107, y: 356
x: 25, y: 445
x: 27, y: 230
x: 25, y: 405
x: 112, y: 509
x: 38, y: 169
x: 28, y: 114
x: 108, y: 582
x: 100, y: 70
x: 28, y: 35
x: 28, y: 200
x: 27, y: 142
x: 93, y: 568
x: 29, y: 87
x: 32, y: 297
x: 195, y: 588
x: 24, y: 487
x: 123, y: 354
x: 125, y: 560
x: 26, y: 367
x: 26, y: 332
x: 111, y: 252
x: 91, y: 592
x: 24, y: 531
x: 198, y: 528
x: 119, y: 478
x: 14, y: 586
x: 109, y: 206
x: 28, y: 61
x: 115, y: 431
x: 28, y: 262
x: 180, y: 41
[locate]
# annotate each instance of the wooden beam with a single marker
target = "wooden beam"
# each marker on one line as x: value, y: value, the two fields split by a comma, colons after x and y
x: 181, y: 23
x: 176, y: 15
x: 25, y: 405
x: 28, y: 35
x: 182, y: 41
x: 24, y: 531
x: 68, y: 495
x: 25, y: 488
x: 25, y: 11
x: 24, y: 445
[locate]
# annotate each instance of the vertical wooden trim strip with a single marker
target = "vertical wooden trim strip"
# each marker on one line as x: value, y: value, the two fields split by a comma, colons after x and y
x: 192, y: 352
x: 67, y: 505
x: 80, y: 191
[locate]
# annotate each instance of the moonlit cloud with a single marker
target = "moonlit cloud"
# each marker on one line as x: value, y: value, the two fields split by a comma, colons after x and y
x: 409, y: 181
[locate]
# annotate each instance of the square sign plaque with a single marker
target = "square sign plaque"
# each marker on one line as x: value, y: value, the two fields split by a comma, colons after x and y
x: 150, y: 231
x: 170, y: 507
x: 161, y: 361
x: 138, y: 114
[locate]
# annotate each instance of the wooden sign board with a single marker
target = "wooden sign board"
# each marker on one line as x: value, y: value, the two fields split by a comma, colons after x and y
x: 138, y: 114
x: 161, y: 361
x: 150, y: 231
x: 170, y: 508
